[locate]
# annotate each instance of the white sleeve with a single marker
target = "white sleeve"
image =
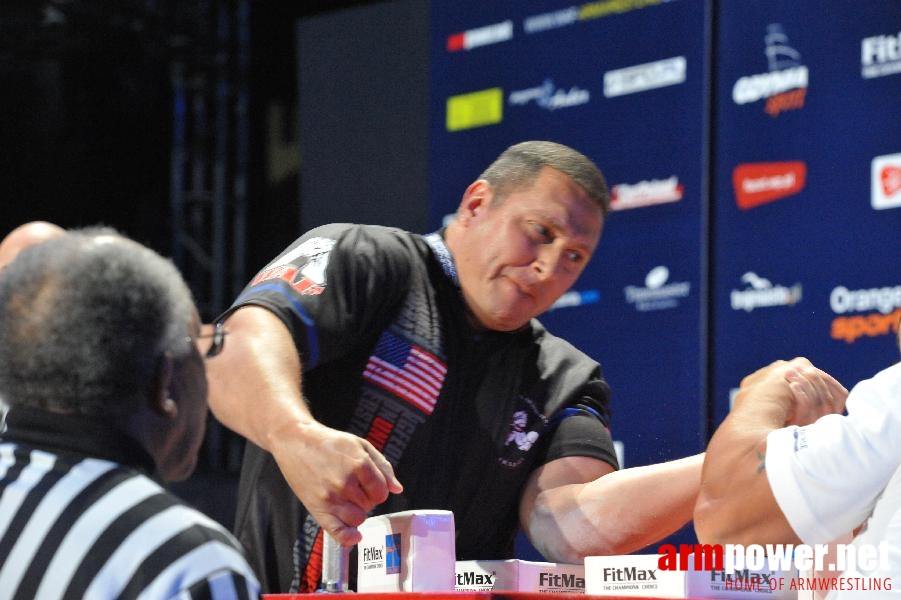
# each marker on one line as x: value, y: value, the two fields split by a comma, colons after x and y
x: 827, y: 476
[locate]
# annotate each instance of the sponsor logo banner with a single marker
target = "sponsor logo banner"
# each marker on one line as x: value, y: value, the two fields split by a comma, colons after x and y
x: 576, y: 298
x: 605, y: 8
x: 885, y: 187
x: 624, y: 196
x: 551, y: 20
x: 761, y: 293
x: 785, y: 85
x: 880, y: 55
x: 570, y: 15
x: 882, y: 308
x: 657, y: 293
x: 549, y: 97
x: 761, y: 183
x: 475, y: 109
x: 647, y: 76
x: 480, y: 36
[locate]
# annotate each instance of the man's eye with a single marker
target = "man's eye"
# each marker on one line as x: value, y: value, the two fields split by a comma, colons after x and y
x: 541, y: 230
x: 575, y: 257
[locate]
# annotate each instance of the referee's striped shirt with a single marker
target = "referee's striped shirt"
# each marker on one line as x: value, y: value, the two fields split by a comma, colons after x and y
x: 79, y: 518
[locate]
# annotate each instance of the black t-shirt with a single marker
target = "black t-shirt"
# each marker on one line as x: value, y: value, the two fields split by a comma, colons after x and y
x: 389, y: 354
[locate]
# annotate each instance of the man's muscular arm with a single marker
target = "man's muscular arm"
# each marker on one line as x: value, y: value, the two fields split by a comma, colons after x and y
x: 578, y: 506
x: 735, y: 503
x: 256, y: 390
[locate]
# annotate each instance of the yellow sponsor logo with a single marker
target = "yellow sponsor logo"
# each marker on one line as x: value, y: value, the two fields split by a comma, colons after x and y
x: 475, y: 109
x: 596, y: 10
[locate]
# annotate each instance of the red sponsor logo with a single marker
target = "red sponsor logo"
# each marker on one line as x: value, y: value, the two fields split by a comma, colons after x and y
x: 886, y: 181
x: 761, y: 183
x: 456, y: 42
x: 480, y: 36
x: 890, y: 176
x: 624, y: 196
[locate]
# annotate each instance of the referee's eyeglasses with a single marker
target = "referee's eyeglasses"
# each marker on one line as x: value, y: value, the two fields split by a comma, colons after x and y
x: 217, y: 338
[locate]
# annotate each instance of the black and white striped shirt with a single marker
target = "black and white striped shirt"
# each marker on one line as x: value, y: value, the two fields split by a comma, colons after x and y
x: 79, y: 518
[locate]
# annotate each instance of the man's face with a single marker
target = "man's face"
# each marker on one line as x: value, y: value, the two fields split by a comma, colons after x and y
x: 514, y: 260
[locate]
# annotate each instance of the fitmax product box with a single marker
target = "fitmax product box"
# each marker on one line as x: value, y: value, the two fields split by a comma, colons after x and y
x: 631, y: 575
x: 519, y: 576
x: 410, y: 551
x: 640, y: 575
x: 743, y: 583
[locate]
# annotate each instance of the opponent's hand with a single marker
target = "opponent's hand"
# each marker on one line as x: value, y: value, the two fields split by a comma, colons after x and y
x: 815, y: 393
x: 792, y: 392
x: 338, y: 476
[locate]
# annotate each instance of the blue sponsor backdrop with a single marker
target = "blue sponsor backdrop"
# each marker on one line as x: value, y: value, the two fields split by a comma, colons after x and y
x: 806, y: 102
x: 754, y: 150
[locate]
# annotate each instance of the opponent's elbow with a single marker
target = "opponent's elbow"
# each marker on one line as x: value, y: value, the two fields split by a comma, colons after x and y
x: 717, y: 522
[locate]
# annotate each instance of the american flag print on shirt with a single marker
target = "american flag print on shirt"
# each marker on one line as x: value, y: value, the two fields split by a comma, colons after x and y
x: 406, y: 371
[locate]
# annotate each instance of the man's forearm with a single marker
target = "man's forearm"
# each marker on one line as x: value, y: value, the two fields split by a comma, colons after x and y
x: 618, y: 513
x: 736, y: 504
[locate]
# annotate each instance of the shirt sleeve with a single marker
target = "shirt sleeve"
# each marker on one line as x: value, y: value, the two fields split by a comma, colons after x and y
x: 827, y: 476
x: 334, y: 288
x: 581, y: 429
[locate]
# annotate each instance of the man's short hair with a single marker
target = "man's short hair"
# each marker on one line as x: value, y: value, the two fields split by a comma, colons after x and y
x: 519, y: 165
x: 85, y: 319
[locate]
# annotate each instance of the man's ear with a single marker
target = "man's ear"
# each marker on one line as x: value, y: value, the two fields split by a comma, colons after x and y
x: 161, y: 401
x: 476, y: 199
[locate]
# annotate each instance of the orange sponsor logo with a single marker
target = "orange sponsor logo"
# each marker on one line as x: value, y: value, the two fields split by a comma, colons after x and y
x: 793, y: 100
x: 761, y: 183
x: 874, y: 324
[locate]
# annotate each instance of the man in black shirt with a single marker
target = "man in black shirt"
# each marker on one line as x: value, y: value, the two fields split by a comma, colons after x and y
x: 375, y: 370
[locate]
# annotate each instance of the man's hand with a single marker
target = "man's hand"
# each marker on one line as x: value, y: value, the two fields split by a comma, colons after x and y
x: 790, y: 393
x: 815, y: 393
x: 338, y: 477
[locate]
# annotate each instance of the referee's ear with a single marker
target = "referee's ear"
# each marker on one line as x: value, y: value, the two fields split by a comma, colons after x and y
x: 160, y: 399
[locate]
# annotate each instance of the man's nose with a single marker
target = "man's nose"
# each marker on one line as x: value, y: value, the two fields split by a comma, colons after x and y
x: 546, y: 262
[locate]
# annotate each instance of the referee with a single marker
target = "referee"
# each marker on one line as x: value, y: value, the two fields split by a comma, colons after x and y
x: 102, y: 366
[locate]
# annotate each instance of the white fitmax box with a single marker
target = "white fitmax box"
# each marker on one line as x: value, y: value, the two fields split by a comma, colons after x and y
x: 640, y: 575
x: 409, y: 551
x: 631, y: 575
x: 743, y: 583
x: 519, y: 576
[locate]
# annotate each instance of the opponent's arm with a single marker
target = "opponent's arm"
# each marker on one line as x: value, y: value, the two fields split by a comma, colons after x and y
x: 578, y: 506
x: 736, y: 504
x: 255, y: 390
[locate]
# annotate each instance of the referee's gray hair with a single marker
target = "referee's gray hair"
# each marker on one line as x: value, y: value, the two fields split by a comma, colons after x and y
x: 519, y: 165
x: 85, y: 319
